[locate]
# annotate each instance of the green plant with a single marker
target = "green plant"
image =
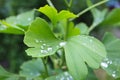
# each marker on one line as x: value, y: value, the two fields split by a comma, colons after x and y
x: 61, y: 49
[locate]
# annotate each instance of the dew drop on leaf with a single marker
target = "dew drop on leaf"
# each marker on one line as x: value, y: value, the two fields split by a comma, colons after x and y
x: 44, y: 51
x: 91, y: 40
x: 37, y: 41
x: 103, y: 64
x: 49, y: 49
x: 114, y: 74
x: 44, y: 44
x: 61, y: 44
x: 42, y: 47
x: 29, y: 19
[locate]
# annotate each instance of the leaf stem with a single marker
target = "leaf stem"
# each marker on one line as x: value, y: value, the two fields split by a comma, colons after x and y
x: 91, y: 28
x: 89, y: 8
x: 66, y: 30
x: 46, y: 70
x: 50, y: 3
x: 69, y: 4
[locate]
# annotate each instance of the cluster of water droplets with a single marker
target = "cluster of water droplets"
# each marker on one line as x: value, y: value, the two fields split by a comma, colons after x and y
x: 66, y: 76
x: 106, y: 62
x: 44, y: 48
x: 112, y: 68
x: 47, y: 48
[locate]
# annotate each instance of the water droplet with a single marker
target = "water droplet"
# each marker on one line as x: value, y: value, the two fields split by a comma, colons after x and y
x: 70, y: 77
x: 42, y: 47
x: 62, y: 78
x: 44, y: 44
x: 40, y: 41
x: 66, y: 74
x: 44, y: 51
x: 50, y: 49
x: 29, y: 19
x: 59, y: 52
x: 37, y: 41
x: 103, y: 64
x: 91, y: 40
x: 113, y: 75
x: 62, y: 44
x: 109, y: 62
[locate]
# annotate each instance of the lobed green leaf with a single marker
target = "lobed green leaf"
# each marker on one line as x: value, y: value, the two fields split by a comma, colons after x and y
x: 111, y: 64
x: 40, y: 39
x: 80, y: 50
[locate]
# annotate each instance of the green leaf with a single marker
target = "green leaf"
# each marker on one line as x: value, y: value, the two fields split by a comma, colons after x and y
x: 50, y: 12
x: 32, y: 69
x: 4, y: 75
x: 65, y: 15
x: 62, y: 76
x: 17, y: 24
x: 81, y: 49
x: 72, y: 31
x: 7, y: 28
x: 41, y: 39
x: 83, y: 28
x: 113, y: 18
x: 98, y: 15
x: 54, y: 16
x: 112, y: 63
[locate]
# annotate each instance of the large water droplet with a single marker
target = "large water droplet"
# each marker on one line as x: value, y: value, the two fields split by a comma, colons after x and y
x: 103, y: 64
x: 62, y: 44
x: 49, y: 49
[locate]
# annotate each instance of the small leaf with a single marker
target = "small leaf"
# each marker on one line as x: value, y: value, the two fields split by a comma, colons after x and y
x: 12, y: 29
x: 83, y: 28
x: 32, y: 69
x: 113, y: 17
x: 72, y: 31
x: 17, y: 24
x: 111, y: 64
x: 54, y: 16
x: 65, y: 15
x: 81, y: 49
x: 62, y: 76
x: 4, y: 75
x: 41, y: 39
x: 50, y: 12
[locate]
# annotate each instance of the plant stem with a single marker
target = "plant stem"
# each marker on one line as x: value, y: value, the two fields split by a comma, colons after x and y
x: 46, y: 70
x: 66, y: 30
x: 89, y: 8
x: 50, y: 3
x: 68, y: 4
x: 91, y: 28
